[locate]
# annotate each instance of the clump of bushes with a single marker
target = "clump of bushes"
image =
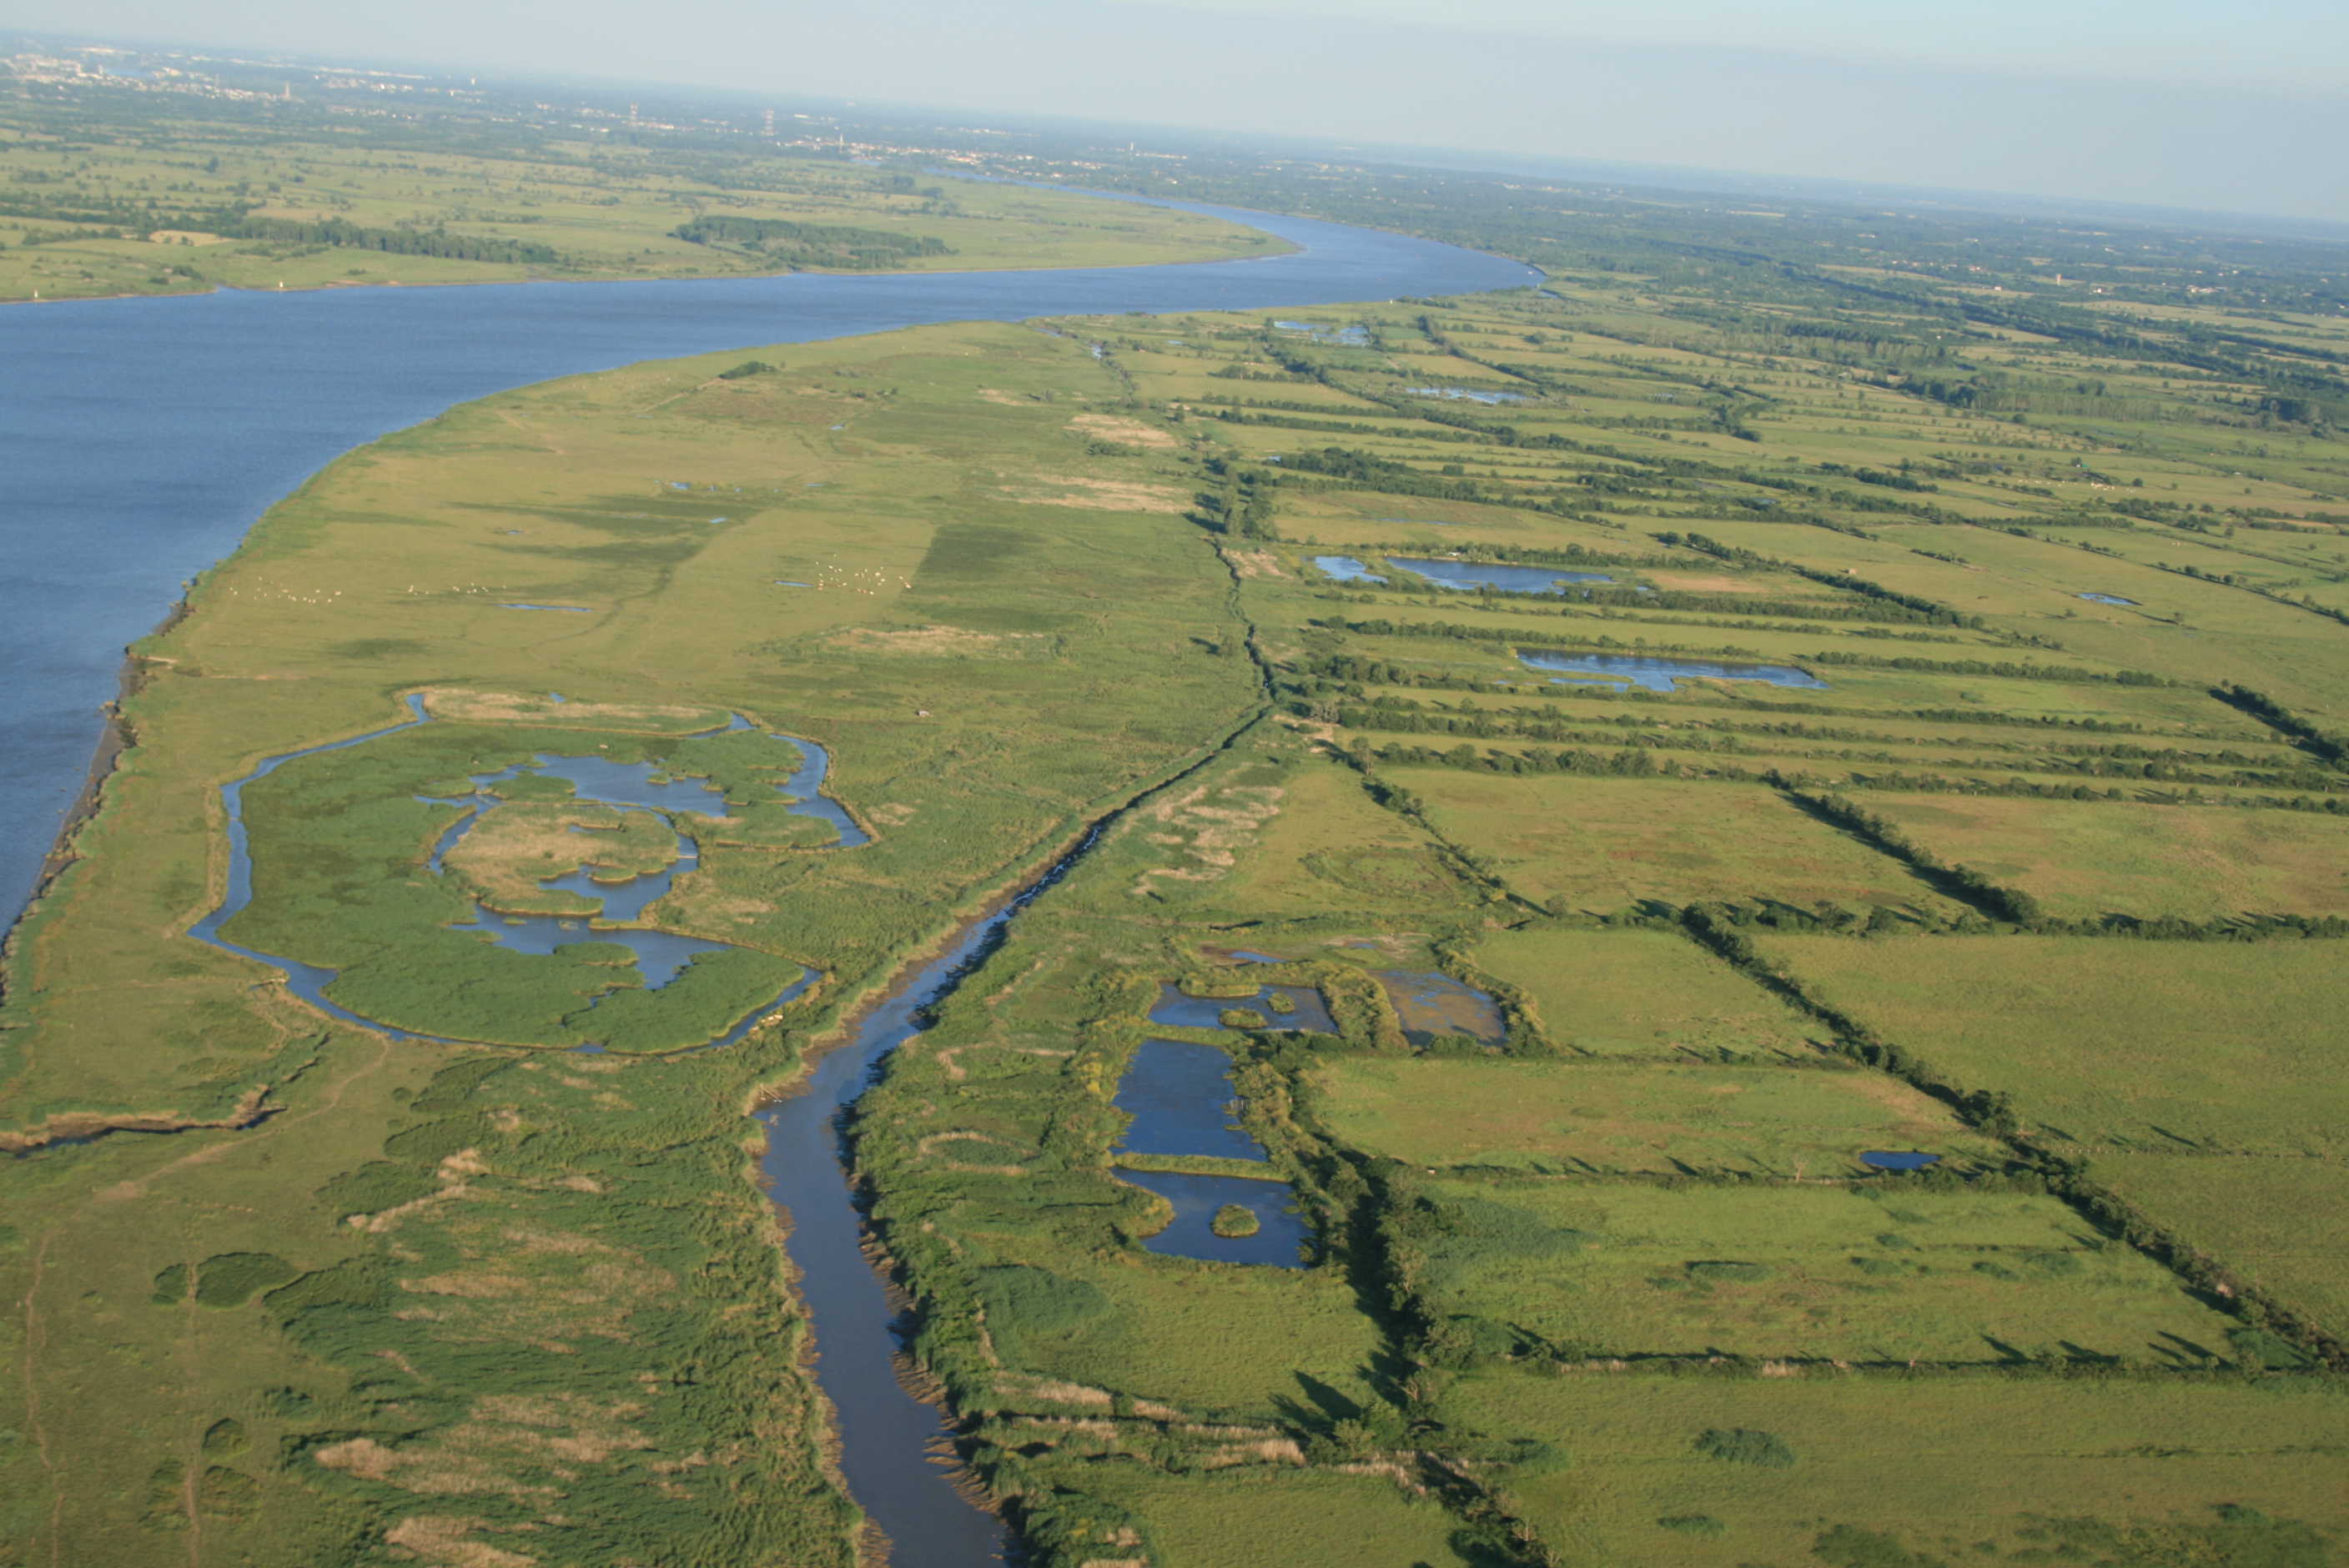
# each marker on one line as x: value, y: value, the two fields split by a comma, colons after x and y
x: 1240, y: 1019
x: 1699, y: 1524
x: 1729, y: 1269
x: 748, y: 368
x: 1745, y: 1446
x: 1235, y: 1220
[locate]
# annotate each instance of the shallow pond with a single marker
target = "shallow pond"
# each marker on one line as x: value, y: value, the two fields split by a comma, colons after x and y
x: 1429, y: 1003
x: 1345, y: 568
x: 1307, y: 1011
x: 1897, y: 1159
x: 1489, y: 575
x: 1466, y: 395
x: 2107, y: 599
x: 1658, y: 673
x: 1183, y: 1101
x: 1352, y: 336
x: 1281, y: 1237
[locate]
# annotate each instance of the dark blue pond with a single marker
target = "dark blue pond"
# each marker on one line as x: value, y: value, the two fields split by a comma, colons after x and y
x: 1280, y: 1238
x: 1487, y: 574
x: 1309, y: 1012
x: 1897, y: 1159
x: 1658, y: 673
x: 141, y: 436
x: 1182, y: 1101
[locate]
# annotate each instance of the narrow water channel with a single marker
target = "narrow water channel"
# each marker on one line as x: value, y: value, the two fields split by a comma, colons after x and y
x: 891, y: 1443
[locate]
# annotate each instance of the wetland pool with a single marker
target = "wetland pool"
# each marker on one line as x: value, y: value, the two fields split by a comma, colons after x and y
x: 1282, y: 1236
x: 1183, y: 1101
x: 1430, y: 1003
x: 1306, y: 1009
x: 1471, y: 575
x: 1654, y: 672
x: 657, y: 957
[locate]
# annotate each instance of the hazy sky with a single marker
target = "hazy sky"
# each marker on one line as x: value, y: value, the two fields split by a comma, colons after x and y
x: 2239, y: 105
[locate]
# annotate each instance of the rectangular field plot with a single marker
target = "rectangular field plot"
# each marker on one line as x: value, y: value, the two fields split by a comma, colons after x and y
x: 1602, y: 845
x: 1812, y: 1272
x: 1638, y: 993
x: 1260, y: 1515
x: 1957, y: 1468
x: 1632, y: 1117
x: 1332, y: 848
x: 2110, y: 1042
x: 2282, y: 1224
x: 1210, y: 1338
x: 2082, y: 859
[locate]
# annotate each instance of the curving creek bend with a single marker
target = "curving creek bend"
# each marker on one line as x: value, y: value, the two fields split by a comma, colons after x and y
x: 123, y: 486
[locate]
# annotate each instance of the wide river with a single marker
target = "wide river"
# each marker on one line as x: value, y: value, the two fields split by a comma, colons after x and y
x: 141, y: 436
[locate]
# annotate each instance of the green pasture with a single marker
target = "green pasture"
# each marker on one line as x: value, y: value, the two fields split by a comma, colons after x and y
x: 2109, y: 1043
x: 2282, y: 1224
x: 1638, y: 993
x: 1901, y: 1470
x: 1261, y: 1513
x: 1605, y: 845
x: 1613, y: 1118
x: 1871, y: 1273
x: 2082, y: 860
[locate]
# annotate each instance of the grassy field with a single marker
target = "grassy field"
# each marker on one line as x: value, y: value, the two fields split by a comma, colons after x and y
x: 1638, y: 993
x: 2110, y: 1043
x: 2279, y: 1222
x: 1618, y: 1119
x: 2081, y: 861
x: 1603, y: 846
x: 1839, y: 1273
x: 1988, y: 1468
x: 1242, y: 1519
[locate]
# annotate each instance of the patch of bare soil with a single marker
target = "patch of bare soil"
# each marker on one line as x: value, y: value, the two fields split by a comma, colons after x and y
x: 1109, y: 427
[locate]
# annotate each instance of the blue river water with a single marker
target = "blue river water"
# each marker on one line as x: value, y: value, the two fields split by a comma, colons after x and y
x: 142, y: 436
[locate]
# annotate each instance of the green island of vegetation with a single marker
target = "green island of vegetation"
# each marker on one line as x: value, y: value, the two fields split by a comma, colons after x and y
x: 1913, y: 1129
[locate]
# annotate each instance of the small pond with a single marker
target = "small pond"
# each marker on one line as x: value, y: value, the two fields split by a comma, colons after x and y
x: 1656, y: 672
x: 565, y: 609
x: 2107, y: 599
x: 1352, y: 336
x: 1177, y: 1006
x: 1488, y: 574
x: 1345, y: 568
x: 1183, y: 1101
x: 1897, y: 1159
x: 1430, y: 1003
x: 1466, y: 395
x: 1281, y: 1237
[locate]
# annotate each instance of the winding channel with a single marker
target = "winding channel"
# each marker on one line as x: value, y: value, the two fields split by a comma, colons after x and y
x: 123, y: 485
